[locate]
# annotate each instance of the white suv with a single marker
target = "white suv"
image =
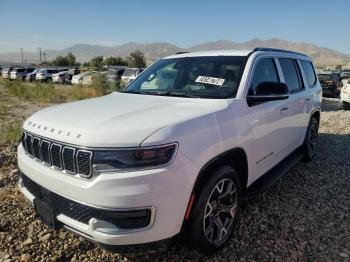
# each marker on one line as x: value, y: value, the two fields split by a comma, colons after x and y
x: 20, y: 73
x: 45, y: 74
x: 176, y: 151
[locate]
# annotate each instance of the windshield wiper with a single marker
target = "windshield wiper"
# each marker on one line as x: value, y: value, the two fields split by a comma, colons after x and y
x: 163, y: 93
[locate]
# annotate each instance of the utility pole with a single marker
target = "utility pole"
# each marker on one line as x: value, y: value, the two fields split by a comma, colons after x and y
x: 44, y: 54
x: 41, y: 61
x: 22, y: 55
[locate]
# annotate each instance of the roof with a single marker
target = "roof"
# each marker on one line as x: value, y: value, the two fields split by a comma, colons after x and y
x: 213, y: 53
x: 233, y: 52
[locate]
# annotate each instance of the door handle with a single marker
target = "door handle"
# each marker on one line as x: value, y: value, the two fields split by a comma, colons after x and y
x: 307, y: 99
x: 284, y: 109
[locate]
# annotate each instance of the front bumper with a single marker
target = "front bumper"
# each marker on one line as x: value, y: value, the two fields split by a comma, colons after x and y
x: 165, y: 191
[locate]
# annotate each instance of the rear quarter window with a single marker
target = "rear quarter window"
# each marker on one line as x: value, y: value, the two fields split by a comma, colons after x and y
x: 309, y: 73
x: 291, y: 74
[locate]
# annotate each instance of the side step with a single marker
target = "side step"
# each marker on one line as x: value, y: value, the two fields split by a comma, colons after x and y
x: 267, y: 180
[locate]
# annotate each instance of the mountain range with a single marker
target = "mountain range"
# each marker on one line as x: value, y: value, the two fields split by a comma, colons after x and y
x: 322, y: 56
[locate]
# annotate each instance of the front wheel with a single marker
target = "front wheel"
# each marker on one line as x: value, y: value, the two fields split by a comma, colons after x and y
x: 216, y: 211
x: 310, y: 142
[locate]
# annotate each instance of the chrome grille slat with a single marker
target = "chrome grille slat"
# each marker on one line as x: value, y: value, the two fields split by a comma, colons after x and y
x: 63, y: 157
x: 84, y: 159
x: 68, y: 158
x: 29, y: 144
x: 56, y: 157
x: 45, y: 152
x: 36, y: 148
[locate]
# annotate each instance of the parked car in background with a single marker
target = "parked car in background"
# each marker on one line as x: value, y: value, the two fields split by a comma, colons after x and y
x: 344, y: 80
x: 45, y: 74
x: 70, y: 73
x: 77, y: 79
x: 31, y: 76
x: 345, y: 95
x: 176, y: 156
x: 59, y: 77
x: 345, y: 73
x: 0, y: 70
x: 6, y: 71
x: 330, y: 83
x: 88, y: 79
x: 20, y: 73
x: 130, y: 74
x: 115, y: 74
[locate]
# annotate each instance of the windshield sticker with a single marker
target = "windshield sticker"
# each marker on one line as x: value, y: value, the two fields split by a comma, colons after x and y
x: 210, y: 80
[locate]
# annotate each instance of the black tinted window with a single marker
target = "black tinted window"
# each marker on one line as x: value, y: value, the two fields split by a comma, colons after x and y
x: 265, y: 71
x: 309, y: 73
x: 291, y: 74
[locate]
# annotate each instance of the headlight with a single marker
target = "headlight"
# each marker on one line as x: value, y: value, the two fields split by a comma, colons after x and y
x: 133, y: 158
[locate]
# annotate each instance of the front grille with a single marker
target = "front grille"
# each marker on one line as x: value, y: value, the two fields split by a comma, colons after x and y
x: 45, y: 152
x: 56, y: 155
x: 62, y: 157
x: 68, y: 159
x: 36, y: 148
x: 123, y: 219
x: 83, y: 159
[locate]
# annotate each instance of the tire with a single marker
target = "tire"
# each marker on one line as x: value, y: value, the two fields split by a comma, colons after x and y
x: 48, y: 80
x: 344, y: 106
x: 210, y: 214
x: 310, y: 142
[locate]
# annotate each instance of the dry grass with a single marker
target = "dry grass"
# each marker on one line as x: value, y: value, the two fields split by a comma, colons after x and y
x: 49, y: 93
x: 10, y: 132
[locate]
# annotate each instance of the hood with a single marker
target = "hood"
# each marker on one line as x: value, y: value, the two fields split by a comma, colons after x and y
x: 117, y: 120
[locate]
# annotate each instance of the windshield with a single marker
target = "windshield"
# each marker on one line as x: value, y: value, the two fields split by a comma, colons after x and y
x: 42, y: 71
x: 324, y: 76
x: 18, y: 70
x: 130, y: 72
x: 112, y: 72
x: 206, y: 77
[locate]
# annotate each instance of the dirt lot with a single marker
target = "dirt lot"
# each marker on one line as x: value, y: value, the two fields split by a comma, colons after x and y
x: 305, y: 216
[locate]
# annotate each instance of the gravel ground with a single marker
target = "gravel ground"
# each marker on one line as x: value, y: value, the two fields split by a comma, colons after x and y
x: 304, y: 216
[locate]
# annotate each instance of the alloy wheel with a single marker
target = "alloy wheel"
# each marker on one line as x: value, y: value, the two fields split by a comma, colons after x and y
x: 220, y: 211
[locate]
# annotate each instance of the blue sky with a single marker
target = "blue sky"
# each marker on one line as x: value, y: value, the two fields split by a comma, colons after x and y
x: 59, y: 24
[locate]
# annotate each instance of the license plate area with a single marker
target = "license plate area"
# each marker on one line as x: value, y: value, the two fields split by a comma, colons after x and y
x: 46, y: 213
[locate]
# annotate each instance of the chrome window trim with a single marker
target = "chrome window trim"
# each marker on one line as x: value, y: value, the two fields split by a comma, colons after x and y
x: 59, y: 155
x: 74, y: 161
x: 90, y: 160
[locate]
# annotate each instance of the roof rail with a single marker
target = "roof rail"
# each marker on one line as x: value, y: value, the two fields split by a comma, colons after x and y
x: 182, y: 52
x: 277, y: 50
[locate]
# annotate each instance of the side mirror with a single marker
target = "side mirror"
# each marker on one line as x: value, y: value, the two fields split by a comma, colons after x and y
x: 268, y: 91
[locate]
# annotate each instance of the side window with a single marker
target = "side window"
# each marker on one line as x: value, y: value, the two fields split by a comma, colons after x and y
x: 291, y: 74
x: 265, y: 71
x: 309, y: 73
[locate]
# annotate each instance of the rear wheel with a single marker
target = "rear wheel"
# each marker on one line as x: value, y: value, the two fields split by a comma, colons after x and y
x: 345, y: 106
x: 310, y: 143
x: 216, y: 211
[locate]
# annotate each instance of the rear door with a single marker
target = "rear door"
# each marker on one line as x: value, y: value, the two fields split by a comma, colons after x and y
x: 298, y: 102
